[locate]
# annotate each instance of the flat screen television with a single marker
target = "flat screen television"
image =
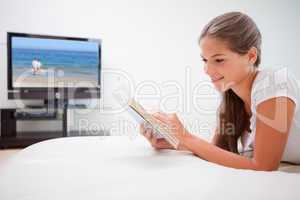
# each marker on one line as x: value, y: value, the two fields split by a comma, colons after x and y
x: 39, y: 65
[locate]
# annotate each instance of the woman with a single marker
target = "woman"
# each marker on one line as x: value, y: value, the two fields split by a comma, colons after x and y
x: 259, y: 108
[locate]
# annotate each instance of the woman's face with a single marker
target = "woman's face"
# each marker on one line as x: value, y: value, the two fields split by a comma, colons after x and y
x: 225, y: 68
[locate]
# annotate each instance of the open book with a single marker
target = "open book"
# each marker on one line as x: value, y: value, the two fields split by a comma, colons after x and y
x: 160, y: 129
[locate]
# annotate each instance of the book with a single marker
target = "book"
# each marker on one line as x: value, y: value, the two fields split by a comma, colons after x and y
x: 161, y: 130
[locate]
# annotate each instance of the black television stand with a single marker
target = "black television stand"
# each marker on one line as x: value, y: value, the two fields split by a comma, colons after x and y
x: 10, y: 137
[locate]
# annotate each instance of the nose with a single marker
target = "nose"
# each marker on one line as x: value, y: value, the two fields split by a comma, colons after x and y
x: 208, y: 69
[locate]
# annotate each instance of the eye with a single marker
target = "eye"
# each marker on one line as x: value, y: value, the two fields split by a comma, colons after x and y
x: 219, y: 60
x: 204, y: 60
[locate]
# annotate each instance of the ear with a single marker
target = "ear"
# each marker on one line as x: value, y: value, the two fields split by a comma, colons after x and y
x: 252, y: 55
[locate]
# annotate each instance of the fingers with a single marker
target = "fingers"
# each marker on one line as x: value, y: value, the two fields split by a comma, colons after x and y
x: 148, y: 133
x: 167, y: 120
x: 146, y: 130
x: 164, y: 117
x: 161, y: 117
x: 156, y: 143
x: 151, y: 138
x: 142, y: 129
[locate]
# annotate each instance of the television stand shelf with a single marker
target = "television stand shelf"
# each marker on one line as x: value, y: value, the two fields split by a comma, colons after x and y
x: 11, y: 138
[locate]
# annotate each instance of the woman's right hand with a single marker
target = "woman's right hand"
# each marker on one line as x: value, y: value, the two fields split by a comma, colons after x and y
x: 157, y: 143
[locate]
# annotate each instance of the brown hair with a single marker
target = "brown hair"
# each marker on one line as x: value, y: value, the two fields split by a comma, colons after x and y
x: 240, y: 33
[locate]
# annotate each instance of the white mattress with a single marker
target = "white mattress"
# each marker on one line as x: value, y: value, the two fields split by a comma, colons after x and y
x: 119, y: 167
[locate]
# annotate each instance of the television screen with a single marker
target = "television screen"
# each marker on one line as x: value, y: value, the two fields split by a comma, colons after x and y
x: 53, y: 62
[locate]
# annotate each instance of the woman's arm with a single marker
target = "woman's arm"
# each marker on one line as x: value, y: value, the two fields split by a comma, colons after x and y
x: 273, y: 122
x: 274, y: 118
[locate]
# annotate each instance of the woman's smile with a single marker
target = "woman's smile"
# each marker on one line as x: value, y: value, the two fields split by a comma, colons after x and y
x: 214, y: 80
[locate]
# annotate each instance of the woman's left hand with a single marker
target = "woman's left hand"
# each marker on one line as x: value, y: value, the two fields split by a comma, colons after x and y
x: 174, y: 124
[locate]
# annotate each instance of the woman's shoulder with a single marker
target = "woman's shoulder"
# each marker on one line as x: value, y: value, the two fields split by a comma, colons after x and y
x: 270, y: 76
x: 275, y: 82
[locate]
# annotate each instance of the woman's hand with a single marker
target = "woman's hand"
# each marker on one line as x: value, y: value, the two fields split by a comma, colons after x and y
x: 157, y: 143
x: 174, y: 124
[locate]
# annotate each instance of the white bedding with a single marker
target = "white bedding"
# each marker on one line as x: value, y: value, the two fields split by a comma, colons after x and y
x: 119, y: 167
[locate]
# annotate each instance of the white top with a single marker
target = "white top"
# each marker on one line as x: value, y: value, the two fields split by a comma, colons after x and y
x: 270, y: 83
x: 35, y: 64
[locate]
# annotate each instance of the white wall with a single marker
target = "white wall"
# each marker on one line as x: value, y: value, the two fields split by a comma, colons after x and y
x: 151, y: 41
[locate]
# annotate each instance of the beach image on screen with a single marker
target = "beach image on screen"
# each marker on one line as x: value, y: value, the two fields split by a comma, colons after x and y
x: 40, y: 63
